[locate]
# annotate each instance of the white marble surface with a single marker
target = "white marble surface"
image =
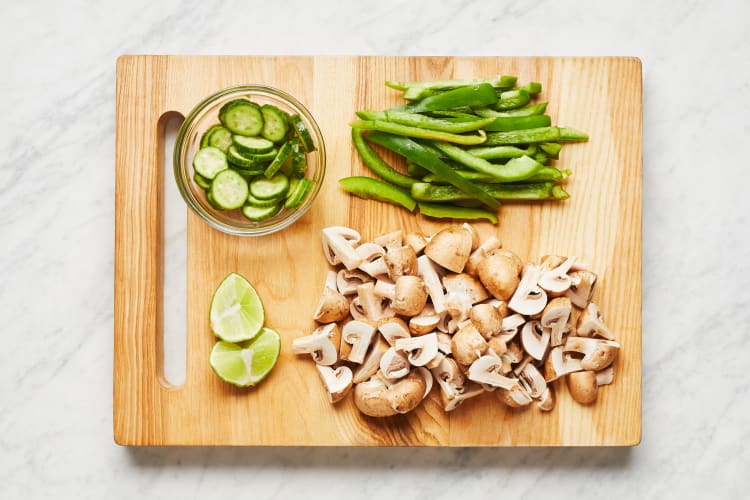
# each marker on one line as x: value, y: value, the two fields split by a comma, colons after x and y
x: 56, y: 246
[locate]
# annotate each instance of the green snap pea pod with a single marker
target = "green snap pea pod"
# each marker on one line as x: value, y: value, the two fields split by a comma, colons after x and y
x: 507, y: 123
x: 512, y: 99
x: 417, y: 153
x: 482, y: 94
x: 422, y: 191
x: 373, y: 160
x: 534, y: 109
x: 373, y: 189
x: 441, y: 211
x: 517, y: 169
x: 426, y: 122
x: 528, y: 136
x: 551, y: 148
x: 532, y: 88
x: 421, y: 133
x: 368, y: 114
x: 502, y: 152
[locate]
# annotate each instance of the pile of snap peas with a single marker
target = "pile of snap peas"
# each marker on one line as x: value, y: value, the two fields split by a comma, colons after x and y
x: 468, y: 145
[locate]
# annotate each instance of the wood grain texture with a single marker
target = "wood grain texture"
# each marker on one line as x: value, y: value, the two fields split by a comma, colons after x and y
x: 601, y: 224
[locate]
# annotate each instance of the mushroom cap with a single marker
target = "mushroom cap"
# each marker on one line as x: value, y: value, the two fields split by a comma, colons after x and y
x: 416, y: 241
x: 371, y: 304
x: 420, y: 350
x: 535, y: 339
x: 393, y: 329
x: 450, y: 248
x: 376, y: 399
x: 515, y: 397
x: 338, y: 246
x: 499, y: 274
x: 556, y: 281
x: 393, y: 364
x: 597, y: 353
x: 486, y: 319
x: 332, y: 307
x: 401, y: 261
x: 389, y: 240
x: 410, y: 297
x: 511, y: 325
x: 359, y: 334
x: 606, y: 376
x: 497, y: 346
x: 582, y: 386
x: 555, y: 317
x: 448, y: 375
x: 487, y: 370
x: 465, y: 285
x: 473, y: 233
x: 514, y: 353
x: 425, y: 322
x: 581, y: 287
x: 468, y: 345
x: 559, y: 364
x: 375, y: 267
x: 480, y: 253
x: 547, y: 400
x: 337, y: 381
x: 323, y: 344
x: 529, y: 298
x: 591, y: 324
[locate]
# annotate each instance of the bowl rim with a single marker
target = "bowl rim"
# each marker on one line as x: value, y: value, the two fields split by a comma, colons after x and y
x: 245, y: 89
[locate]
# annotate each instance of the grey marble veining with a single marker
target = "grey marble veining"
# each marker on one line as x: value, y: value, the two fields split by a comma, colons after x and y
x: 56, y: 246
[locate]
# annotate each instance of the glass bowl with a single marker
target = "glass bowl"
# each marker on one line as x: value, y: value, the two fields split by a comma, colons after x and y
x: 206, y: 114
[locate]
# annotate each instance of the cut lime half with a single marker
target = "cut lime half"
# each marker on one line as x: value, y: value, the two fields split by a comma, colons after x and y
x: 236, y: 310
x: 247, y: 363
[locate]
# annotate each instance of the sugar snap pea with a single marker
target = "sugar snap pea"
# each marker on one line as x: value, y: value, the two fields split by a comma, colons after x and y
x: 421, y: 133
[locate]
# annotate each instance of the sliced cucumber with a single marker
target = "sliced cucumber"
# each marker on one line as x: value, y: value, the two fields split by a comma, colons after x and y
x: 220, y: 138
x: 201, y: 181
x: 275, y: 123
x: 259, y: 202
x: 209, y: 161
x: 251, y: 145
x: 264, y: 188
x: 281, y: 157
x: 207, y: 135
x: 300, y: 191
x: 260, y: 213
x: 303, y: 133
x: 229, y: 190
x: 292, y: 187
x: 299, y: 160
x: 249, y: 172
x: 242, y: 117
x: 211, y: 201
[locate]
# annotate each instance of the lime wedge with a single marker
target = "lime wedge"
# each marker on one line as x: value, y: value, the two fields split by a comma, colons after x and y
x: 247, y: 363
x: 236, y: 311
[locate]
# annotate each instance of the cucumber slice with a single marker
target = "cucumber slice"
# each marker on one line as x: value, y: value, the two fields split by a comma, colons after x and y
x: 275, y: 123
x: 207, y: 135
x: 300, y: 191
x: 259, y: 202
x: 242, y: 117
x: 250, y: 171
x: 292, y: 187
x: 201, y: 181
x: 211, y: 201
x: 299, y: 160
x: 281, y: 157
x: 229, y: 190
x: 251, y: 145
x: 275, y: 187
x: 220, y: 138
x: 303, y: 133
x: 209, y: 161
x: 260, y: 213
x: 249, y: 161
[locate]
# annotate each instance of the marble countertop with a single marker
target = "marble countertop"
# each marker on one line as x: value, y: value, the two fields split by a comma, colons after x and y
x: 56, y: 247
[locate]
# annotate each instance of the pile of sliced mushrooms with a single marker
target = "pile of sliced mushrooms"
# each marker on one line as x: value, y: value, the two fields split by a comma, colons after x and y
x: 406, y: 310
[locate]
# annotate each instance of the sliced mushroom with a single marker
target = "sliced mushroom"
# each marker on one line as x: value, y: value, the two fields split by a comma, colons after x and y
x: 451, y: 401
x: 373, y: 262
x: 420, y: 350
x: 533, y: 381
x: 514, y: 354
x: 347, y: 280
x: 486, y: 319
x: 416, y: 241
x: 559, y: 364
x: 473, y: 233
x: 511, y: 325
x: 427, y: 271
x: 570, y: 328
x: 449, y: 376
x: 393, y: 329
x: 597, y: 353
x: 450, y: 248
x: 375, y: 398
x: 394, y: 364
x: 435, y: 362
x: 446, y: 324
x: 408, y: 296
x: 591, y: 324
x: 425, y: 322
x: 529, y: 298
x: 427, y: 376
x: 535, y: 339
x: 500, y: 305
x: 371, y: 304
x: 581, y: 288
x: 444, y: 343
x: 465, y: 285
x: 497, y: 346
x: 359, y: 335
x: 337, y: 381
x: 338, y: 246
x: 556, y: 281
x: 375, y: 268
x: 333, y: 306
x: 499, y: 273
x: 487, y: 370
x: 401, y: 261
x: 555, y: 317
x: 547, y: 400
x: 371, y: 364
x: 480, y: 253
x: 606, y: 376
x: 515, y: 397
x: 468, y: 345
x: 582, y: 386
x: 390, y: 240
x: 323, y: 344
x: 356, y: 309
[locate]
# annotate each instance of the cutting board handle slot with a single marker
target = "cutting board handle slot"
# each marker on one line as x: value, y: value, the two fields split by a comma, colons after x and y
x: 172, y: 340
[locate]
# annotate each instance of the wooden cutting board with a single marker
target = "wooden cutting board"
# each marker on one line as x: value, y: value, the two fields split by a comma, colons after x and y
x: 601, y: 223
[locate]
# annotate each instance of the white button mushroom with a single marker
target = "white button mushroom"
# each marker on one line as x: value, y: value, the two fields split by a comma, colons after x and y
x: 376, y: 398
x: 597, y: 353
x: 582, y: 386
x: 468, y: 345
x: 581, y: 288
x: 555, y: 280
x: 535, y: 339
x: 416, y: 241
x: 529, y: 298
x: 371, y: 364
x: 394, y: 364
x: 337, y: 381
x: 450, y: 248
x: 390, y: 240
x: 408, y: 295
x: 480, y: 253
x: 500, y: 273
x: 347, y: 280
x: 420, y: 350
x: 401, y: 261
x: 559, y: 364
x: 359, y: 335
x: 486, y: 319
x: 555, y: 317
x: 424, y: 322
x: 322, y: 344
x: 393, y: 329
x: 333, y: 306
x: 338, y: 246
x: 591, y: 324
x: 427, y: 271
x: 487, y: 370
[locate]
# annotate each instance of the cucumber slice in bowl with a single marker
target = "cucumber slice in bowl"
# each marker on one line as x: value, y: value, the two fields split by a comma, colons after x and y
x: 275, y: 187
x: 303, y: 133
x: 220, y: 138
x: 255, y: 213
x: 242, y: 117
x: 275, y: 123
x: 251, y: 145
x: 209, y: 161
x: 229, y: 190
x: 201, y: 181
